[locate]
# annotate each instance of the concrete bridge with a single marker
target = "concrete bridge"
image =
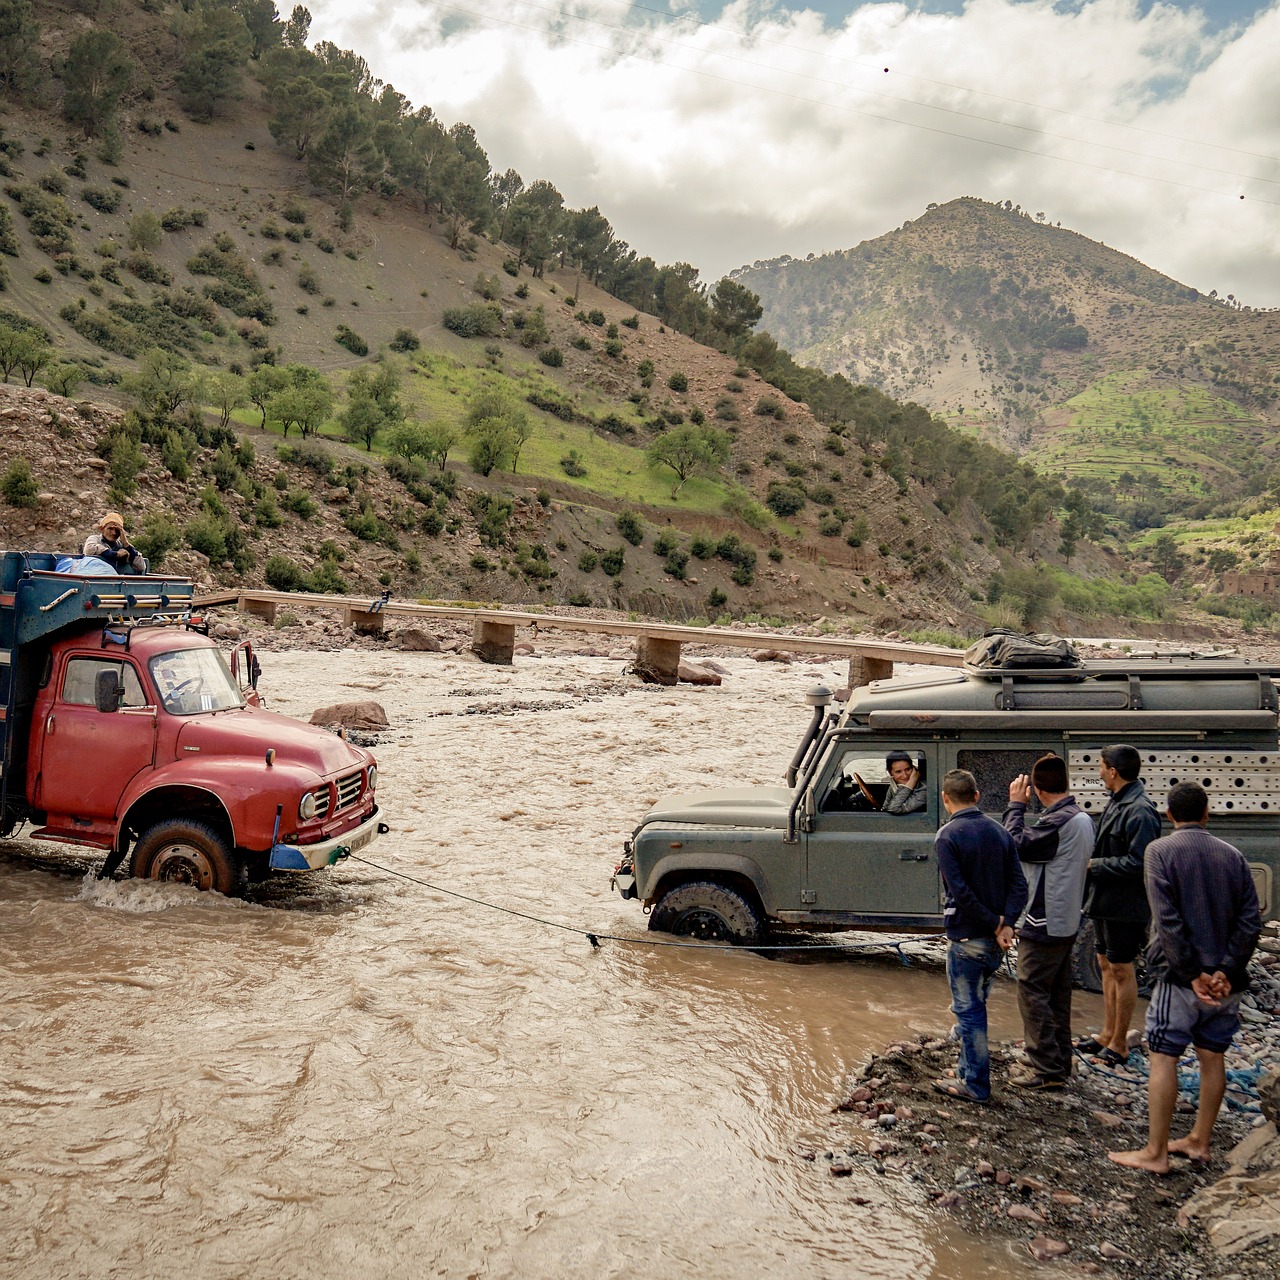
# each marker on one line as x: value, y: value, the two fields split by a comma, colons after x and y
x: 658, y: 644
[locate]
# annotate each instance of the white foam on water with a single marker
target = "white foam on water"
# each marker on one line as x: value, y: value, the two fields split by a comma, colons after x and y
x: 145, y: 897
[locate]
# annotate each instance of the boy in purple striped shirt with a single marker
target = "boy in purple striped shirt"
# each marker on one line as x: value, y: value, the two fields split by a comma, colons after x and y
x: 1205, y: 922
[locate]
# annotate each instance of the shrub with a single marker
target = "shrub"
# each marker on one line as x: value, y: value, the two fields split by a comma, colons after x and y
x: 571, y: 464
x: 511, y: 267
x: 716, y: 598
x: 522, y: 290
x: 159, y: 535
x: 588, y: 561
x: 482, y: 320
x: 612, y: 560
x: 283, y: 574
x: 145, y: 231
x: 149, y: 269
x: 300, y: 503
x: 784, y: 499
x: 405, y: 340
x: 613, y: 347
x: 18, y: 485
x: 347, y: 337
x: 308, y: 281
x: 101, y: 198
x: 581, y: 343
x: 676, y: 563
x: 678, y: 382
x: 552, y: 357
x: 326, y: 580
x: 488, y: 287
x: 726, y: 410
x: 631, y: 528
x: 770, y: 407
x: 632, y: 322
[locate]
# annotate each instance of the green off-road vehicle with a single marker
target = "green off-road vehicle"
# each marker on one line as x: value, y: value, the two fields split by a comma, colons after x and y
x: 816, y: 853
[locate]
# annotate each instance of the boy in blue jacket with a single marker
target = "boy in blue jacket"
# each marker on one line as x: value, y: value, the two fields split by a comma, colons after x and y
x: 985, y: 894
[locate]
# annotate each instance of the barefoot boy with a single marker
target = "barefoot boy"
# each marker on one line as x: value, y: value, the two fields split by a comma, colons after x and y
x: 1205, y: 925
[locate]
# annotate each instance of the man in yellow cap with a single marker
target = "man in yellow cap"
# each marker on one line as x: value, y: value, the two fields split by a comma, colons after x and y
x: 112, y: 544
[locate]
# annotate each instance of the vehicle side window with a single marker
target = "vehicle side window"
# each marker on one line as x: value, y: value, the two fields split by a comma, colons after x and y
x: 82, y: 675
x: 844, y: 795
x: 994, y: 770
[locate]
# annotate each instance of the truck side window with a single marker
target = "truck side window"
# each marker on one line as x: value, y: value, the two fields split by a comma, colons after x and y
x: 82, y: 673
x: 994, y: 770
x: 844, y: 795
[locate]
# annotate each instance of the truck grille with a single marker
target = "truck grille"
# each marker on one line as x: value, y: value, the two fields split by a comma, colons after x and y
x: 349, y: 788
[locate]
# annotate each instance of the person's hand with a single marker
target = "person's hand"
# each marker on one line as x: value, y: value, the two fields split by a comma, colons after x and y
x: 1221, y: 985
x: 1020, y: 790
x: 1004, y: 937
x: 1208, y: 989
x: 122, y: 553
x: 913, y: 779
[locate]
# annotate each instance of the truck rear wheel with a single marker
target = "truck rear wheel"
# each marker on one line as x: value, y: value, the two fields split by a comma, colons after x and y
x: 184, y: 852
x: 711, y: 912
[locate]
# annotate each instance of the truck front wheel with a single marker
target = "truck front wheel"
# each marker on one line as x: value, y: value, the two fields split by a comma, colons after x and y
x: 710, y: 912
x: 183, y: 852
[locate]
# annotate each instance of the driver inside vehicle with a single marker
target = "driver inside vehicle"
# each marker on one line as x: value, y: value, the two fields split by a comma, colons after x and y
x: 906, y: 792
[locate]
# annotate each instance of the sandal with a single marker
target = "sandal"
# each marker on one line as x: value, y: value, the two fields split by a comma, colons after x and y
x: 958, y: 1092
x: 1089, y: 1046
x: 1110, y: 1058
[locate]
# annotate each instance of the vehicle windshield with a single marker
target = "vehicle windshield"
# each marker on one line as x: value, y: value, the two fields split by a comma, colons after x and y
x: 194, y: 680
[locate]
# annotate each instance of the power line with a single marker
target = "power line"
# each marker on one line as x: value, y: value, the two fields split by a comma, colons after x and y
x: 819, y: 102
x: 891, y: 97
x: 690, y: 20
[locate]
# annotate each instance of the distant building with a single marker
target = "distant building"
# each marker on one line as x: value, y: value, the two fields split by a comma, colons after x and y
x: 1261, y: 580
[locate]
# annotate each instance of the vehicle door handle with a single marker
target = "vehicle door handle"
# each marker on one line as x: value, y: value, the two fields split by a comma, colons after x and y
x: 910, y: 855
x: 50, y: 724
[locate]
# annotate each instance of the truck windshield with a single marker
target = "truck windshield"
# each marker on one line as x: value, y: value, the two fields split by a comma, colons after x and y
x: 194, y: 680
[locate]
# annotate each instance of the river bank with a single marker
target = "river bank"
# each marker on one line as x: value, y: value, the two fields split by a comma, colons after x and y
x: 1032, y: 1168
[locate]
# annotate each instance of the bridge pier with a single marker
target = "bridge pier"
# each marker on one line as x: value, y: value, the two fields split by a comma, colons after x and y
x: 494, y: 642
x: 363, y: 622
x: 863, y: 670
x: 264, y: 609
x: 657, y: 660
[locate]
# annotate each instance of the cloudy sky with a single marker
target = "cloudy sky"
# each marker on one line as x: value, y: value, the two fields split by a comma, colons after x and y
x: 720, y: 134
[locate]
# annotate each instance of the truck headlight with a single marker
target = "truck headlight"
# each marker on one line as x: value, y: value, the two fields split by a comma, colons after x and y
x: 307, y: 806
x: 371, y: 781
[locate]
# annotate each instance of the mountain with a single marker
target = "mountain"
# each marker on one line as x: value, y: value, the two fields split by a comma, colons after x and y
x: 206, y: 229
x: 1090, y: 363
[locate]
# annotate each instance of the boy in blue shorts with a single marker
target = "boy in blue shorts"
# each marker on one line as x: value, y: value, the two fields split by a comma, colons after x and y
x: 1205, y: 924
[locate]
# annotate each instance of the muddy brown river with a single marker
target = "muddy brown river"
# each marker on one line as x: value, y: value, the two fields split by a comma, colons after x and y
x: 352, y: 1074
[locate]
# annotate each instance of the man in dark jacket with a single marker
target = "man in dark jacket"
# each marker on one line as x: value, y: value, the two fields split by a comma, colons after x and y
x: 985, y: 894
x: 1054, y: 851
x: 1117, y: 898
x: 1205, y: 925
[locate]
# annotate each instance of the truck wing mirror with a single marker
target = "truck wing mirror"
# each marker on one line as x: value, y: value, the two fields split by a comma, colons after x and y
x: 108, y: 690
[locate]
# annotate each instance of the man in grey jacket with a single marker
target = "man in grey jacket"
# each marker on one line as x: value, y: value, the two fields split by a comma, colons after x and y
x: 1054, y: 851
x: 1205, y: 925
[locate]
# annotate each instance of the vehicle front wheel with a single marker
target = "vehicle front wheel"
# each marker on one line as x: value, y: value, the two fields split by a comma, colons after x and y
x: 184, y: 852
x: 710, y: 912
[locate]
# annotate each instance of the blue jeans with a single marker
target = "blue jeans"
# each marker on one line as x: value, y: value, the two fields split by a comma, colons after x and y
x: 970, y: 967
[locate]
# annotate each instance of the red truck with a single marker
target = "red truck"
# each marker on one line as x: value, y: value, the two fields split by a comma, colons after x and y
x: 123, y: 727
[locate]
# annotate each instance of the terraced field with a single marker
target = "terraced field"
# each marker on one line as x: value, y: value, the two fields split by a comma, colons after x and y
x: 1138, y: 433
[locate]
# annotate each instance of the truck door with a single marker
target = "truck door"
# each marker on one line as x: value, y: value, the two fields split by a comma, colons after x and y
x: 87, y: 756
x: 861, y: 860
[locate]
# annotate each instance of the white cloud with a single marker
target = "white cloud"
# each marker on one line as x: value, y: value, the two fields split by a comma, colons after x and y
x: 758, y: 135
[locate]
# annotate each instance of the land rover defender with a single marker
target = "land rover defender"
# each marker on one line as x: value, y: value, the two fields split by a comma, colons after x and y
x: 817, y: 853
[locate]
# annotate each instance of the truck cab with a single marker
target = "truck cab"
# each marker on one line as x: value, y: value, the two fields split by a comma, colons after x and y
x: 819, y: 853
x: 126, y: 729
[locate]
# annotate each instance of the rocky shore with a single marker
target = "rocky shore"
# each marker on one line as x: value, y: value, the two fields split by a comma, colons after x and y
x: 1033, y: 1167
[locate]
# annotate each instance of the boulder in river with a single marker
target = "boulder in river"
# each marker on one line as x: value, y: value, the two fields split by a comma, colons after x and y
x: 352, y: 715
